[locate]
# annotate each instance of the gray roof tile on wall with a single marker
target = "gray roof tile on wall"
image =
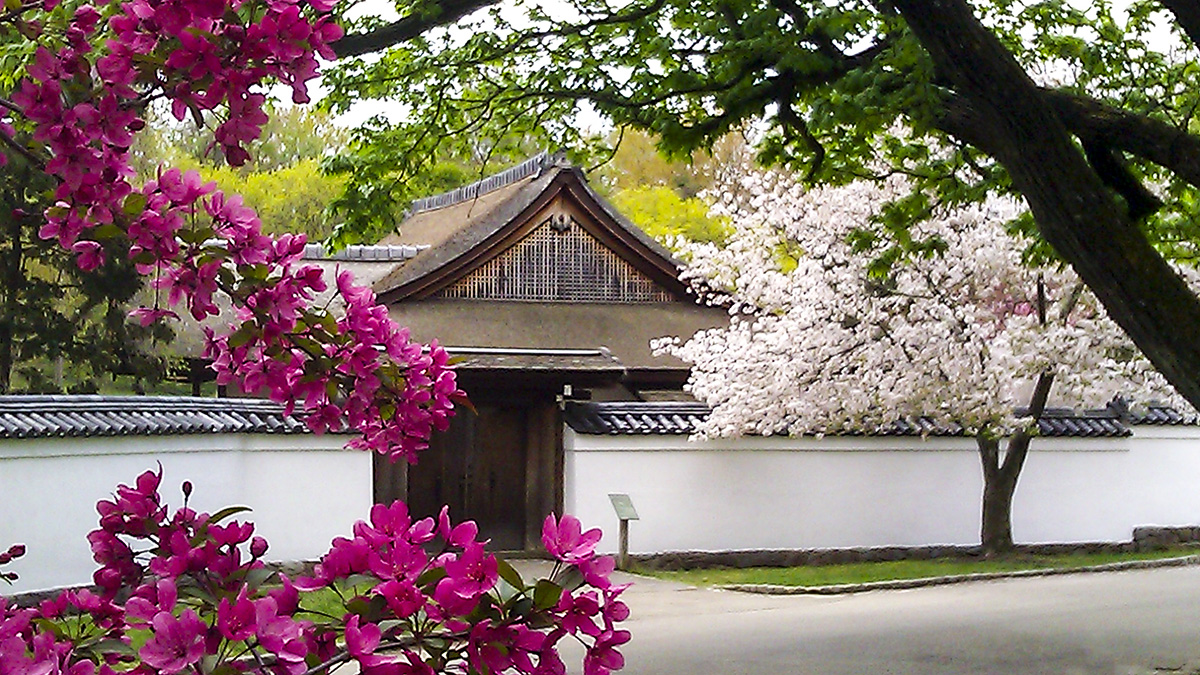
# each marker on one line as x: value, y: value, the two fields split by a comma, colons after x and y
x: 1160, y: 415
x: 36, y: 416
x: 617, y: 418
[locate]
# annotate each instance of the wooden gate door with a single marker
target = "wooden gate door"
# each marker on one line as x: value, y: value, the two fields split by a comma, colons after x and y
x: 478, y: 468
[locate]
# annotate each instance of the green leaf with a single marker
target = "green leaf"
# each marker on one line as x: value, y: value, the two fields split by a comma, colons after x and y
x: 134, y: 204
x: 356, y: 580
x: 359, y: 605
x: 226, y: 512
x: 258, y: 273
x: 113, y: 646
x: 258, y: 577
x: 198, y: 235
x: 107, y: 231
x: 546, y: 594
x: 509, y: 574
x: 50, y: 627
x: 431, y: 576
x: 522, y: 607
x: 242, y: 335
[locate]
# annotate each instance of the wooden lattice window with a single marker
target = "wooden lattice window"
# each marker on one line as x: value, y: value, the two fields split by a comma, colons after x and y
x: 558, y: 261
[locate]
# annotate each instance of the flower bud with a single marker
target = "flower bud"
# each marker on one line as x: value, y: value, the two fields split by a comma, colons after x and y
x: 258, y: 546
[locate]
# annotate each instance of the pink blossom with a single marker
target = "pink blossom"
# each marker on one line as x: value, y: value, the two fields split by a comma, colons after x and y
x: 497, y: 648
x: 565, y: 540
x: 596, y: 570
x: 579, y: 612
x: 90, y: 255
x: 603, y: 657
x: 403, y: 597
x: 280, y: 634
x: 237, y: 619
x: 177, y: 642
x: 361, y: 640
x: 471, y: 574
x: 146, y: 315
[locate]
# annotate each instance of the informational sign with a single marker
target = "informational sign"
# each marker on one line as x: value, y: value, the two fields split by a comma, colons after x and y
x: 623, y: 505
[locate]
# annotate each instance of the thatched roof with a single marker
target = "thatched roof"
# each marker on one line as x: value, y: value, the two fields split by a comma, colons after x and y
x: 469, y: 226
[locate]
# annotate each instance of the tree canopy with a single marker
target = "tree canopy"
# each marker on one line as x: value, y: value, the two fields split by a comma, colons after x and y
x: 952, y: 340
x: 1076, y: 109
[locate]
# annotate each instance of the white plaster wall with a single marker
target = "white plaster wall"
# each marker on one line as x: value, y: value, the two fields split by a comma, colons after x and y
x: 304, y: 490
x: 1165, y: 468
x: 780, y: 493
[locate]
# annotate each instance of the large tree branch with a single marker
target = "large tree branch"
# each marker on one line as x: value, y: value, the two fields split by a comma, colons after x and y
x: 441, y: 13
x: 1070, y: 204
x: 1187, y: 15
x: 1092, y: 122
x: 1152, y: 140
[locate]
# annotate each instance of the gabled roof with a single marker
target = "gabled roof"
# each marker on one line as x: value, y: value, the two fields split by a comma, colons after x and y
x: 38, y: 416
x: 617, y: 418
x: 469, y: 226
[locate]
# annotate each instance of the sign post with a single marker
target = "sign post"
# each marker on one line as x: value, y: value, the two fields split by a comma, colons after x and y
x: 623, y: 505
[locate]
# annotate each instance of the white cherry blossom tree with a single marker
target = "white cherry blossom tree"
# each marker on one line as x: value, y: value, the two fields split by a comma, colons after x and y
x: 962, y: 333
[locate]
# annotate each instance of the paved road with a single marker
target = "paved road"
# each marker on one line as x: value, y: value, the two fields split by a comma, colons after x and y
x: 1111, y: 623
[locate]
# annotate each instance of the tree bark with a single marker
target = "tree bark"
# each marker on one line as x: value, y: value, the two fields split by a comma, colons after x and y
x: 13, y: 279
x: 1155, y: 141
x: 418, y: 22
x: 995, y: 531
x: 1073, y: 209
x: 1000, y: 475
x: 1187, y: 15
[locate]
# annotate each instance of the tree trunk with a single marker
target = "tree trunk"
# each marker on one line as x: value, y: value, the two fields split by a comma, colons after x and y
x: 1074, y: 210
x: 13, y: 277
x: 995, y: 532
x: 1000, y: 474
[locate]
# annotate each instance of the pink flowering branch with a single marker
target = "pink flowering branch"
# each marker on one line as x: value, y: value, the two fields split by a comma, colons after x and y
x: 83, y: 106
x: 187, y: 592
x: 183, y: 591
x: 15, y: 551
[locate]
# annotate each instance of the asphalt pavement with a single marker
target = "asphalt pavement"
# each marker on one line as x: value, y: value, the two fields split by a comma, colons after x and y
x: 1113, y: 623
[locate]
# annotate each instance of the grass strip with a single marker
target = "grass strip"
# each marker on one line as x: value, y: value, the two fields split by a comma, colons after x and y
x: 869, y: 572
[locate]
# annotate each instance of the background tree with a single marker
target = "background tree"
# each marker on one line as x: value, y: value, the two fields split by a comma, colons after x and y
x: 1072, y: 108
x: 283, y: 181
x: 62, y: 330
x: 962, y: 336
x: 666, y: 196
x: 664, y: 215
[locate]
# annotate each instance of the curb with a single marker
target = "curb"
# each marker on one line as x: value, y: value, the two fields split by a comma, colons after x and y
x: 900, y: 584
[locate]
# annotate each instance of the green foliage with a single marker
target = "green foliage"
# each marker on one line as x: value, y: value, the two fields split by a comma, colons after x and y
x: 292, y: 135
x: 637, y: 163
x: 859, y: 573
x: 664, y: 215
x: 61, y: 329
x: 293, y: 198
x: 385, y: 167
x: 836, y: 91
x: 283, y: 182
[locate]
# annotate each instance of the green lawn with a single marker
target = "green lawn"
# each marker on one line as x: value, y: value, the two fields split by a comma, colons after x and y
x: 856, y: 573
